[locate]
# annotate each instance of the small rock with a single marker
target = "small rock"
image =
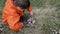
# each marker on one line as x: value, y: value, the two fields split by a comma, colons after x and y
x: 1, y: 28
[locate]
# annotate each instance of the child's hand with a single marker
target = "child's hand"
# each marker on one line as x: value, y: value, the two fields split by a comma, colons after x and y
x: 31, y: 13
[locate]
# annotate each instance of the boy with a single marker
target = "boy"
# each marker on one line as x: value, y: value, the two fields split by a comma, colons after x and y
x: 12, y: 12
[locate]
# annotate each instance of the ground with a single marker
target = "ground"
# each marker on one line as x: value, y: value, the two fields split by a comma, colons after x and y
x: 47, y: 16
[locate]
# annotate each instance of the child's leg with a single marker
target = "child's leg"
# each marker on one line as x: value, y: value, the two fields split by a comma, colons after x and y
x: 16, y: 27
x: 14, y: 23
x: 22, y: 18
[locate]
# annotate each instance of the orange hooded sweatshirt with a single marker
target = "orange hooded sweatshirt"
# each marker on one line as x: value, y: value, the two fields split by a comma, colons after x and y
x: 11, y: 15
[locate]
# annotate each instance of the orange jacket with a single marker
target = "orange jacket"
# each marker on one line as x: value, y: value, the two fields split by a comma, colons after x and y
x: 11, y: 15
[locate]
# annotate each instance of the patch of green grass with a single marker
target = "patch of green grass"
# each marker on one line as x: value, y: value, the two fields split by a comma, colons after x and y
x: 0, y: 13
x: 42, y: 3
x: 38, y: 3
x: 54, y: 2
x: 2, y: 2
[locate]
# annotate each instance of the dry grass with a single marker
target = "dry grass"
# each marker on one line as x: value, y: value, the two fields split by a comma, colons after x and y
x: 47, y: 16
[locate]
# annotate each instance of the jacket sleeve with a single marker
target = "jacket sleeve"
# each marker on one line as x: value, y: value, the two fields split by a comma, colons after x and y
x: 13, y: 20
x: 29, y: 9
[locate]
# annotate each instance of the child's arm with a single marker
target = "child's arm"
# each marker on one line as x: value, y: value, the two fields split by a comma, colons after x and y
x: 30, y: 10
